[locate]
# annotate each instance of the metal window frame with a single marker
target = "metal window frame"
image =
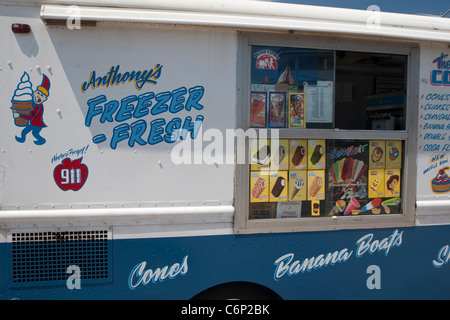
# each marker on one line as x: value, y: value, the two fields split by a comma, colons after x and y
x: 243, y: 224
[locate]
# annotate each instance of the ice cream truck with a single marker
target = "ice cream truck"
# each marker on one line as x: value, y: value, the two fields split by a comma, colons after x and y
x: 217, y: 149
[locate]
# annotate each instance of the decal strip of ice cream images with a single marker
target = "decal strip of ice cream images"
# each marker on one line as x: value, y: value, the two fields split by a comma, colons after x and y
x: 27, y: 107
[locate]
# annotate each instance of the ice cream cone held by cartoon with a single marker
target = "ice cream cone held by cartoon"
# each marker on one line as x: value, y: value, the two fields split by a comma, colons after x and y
x: 28, y: 109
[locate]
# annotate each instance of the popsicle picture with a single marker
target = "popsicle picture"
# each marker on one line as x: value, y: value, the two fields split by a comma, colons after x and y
x: 390, y: 202
x: 352, y: 205
x: 258, y: 103
x: 277, y: 110
x: 372, y: 204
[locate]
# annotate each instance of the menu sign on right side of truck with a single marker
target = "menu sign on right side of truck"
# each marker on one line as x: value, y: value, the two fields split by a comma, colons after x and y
x: 434, y: 125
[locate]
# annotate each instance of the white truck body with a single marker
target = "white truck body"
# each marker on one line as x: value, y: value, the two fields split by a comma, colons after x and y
x: 127, y: 78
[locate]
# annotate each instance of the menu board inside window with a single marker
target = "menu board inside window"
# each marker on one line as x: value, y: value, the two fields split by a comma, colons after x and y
x: 294, y: 178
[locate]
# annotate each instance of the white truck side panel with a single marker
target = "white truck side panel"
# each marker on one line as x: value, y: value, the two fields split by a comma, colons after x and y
x: 127, y: 175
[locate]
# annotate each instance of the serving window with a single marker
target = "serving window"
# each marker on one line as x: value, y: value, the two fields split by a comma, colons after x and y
x: 298, y: 88
x: 338, y: 154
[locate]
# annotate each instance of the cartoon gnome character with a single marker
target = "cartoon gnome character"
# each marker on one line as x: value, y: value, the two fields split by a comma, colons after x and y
x: 35, y: 118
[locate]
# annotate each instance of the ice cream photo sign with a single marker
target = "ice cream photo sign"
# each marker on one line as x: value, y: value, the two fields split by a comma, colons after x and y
x: 327, y: 177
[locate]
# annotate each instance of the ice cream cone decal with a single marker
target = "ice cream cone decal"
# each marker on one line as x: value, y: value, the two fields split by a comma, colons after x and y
x: 298, y: 184
x: 338, y: 207
x: 28, y: 109
x: 22, y: 100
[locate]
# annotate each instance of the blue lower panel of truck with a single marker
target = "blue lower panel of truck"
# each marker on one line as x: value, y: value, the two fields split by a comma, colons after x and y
x: 397, y: 263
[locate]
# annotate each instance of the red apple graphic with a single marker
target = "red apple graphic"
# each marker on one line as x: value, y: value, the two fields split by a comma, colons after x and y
x: 70, y: 175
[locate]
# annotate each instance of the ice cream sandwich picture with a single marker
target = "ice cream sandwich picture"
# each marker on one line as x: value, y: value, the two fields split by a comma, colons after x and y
x: 260, y: 154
